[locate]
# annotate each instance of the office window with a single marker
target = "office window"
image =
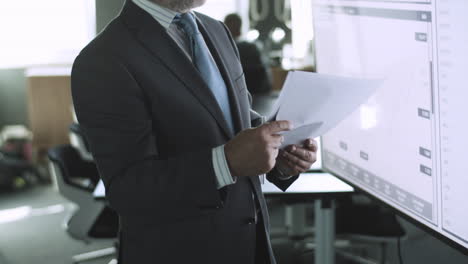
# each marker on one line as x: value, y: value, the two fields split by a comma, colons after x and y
x: 46, y: 32
x: 302, y: 32
x: 219, y: 9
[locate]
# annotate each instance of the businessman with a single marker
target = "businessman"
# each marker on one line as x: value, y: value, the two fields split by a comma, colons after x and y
x: 161, y: 96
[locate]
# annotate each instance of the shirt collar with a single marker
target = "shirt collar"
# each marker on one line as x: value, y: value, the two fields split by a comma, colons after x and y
x: 163, y: 15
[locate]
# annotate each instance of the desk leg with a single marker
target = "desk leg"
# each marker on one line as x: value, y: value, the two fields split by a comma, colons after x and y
x: 324, y: 231
x: 296, y: 220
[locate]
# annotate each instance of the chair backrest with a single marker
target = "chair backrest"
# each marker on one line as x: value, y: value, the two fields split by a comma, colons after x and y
x: 67, y: 167
x: 72, y: 166
x: 79, y: 141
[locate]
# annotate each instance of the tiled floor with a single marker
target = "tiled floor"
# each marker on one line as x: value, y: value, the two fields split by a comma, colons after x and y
x: 32, y: 229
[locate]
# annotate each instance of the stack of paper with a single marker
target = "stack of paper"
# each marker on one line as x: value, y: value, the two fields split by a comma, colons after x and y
x: 315, y: 103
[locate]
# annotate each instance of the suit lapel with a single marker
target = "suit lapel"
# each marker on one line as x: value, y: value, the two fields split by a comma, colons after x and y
x: 155, y: 38
x: 214, y: 46
x: 257, y: 186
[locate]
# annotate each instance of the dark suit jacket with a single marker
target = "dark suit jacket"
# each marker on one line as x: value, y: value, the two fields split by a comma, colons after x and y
x: 152, y: 123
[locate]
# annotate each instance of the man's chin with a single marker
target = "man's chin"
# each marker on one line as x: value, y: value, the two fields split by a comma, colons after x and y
x: 181, y: 6
x: 198, y: 3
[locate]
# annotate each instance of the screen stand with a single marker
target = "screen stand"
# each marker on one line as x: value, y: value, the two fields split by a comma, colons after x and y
x: 324, y: 231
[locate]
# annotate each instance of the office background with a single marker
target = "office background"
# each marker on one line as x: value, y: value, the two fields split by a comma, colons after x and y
x: 31, y: 241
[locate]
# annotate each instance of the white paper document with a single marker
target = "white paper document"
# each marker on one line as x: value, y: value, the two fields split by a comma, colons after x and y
x: 315, y: 103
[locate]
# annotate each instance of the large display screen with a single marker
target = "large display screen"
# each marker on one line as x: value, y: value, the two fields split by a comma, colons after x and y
x: 408, y: 144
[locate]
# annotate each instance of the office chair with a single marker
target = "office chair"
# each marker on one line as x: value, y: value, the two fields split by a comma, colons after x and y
x: 92, y: 220
x: 369, y: 224
x: 79, y: 142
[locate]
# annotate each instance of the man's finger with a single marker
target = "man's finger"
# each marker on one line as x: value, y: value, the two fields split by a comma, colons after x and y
x: 304, y: 154
x: 294, y: 168
x: 276, y: 141
x: 275, y: 153
x: 296, y: 161
x: 290, y: 148
x: 311, y: 144
x: 278, y: 126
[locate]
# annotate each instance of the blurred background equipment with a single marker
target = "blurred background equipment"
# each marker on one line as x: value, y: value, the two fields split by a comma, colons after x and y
x: 16, y: 167
x: 257, y: 74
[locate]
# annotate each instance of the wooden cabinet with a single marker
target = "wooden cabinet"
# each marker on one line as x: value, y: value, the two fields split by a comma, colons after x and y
x: 49, y: 107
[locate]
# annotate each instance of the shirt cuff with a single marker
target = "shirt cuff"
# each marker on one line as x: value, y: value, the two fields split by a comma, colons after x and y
x: 282, y: 176
x: 221, y: 168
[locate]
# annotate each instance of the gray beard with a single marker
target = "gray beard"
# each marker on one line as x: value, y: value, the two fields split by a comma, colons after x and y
x: 181, y: 6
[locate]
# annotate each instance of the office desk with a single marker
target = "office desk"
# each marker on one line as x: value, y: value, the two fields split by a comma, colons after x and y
x: 310, y: 185
x: 99, y: 192
x: 320, y: 188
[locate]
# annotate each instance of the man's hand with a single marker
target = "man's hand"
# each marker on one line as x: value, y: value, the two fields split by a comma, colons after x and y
x: 254, y: 151
x: 295, y: 159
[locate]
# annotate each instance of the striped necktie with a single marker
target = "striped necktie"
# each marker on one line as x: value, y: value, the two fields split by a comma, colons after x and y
x: 205, y: 64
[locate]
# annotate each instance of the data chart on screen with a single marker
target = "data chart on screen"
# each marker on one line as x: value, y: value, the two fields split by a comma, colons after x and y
x: 405, y: 145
